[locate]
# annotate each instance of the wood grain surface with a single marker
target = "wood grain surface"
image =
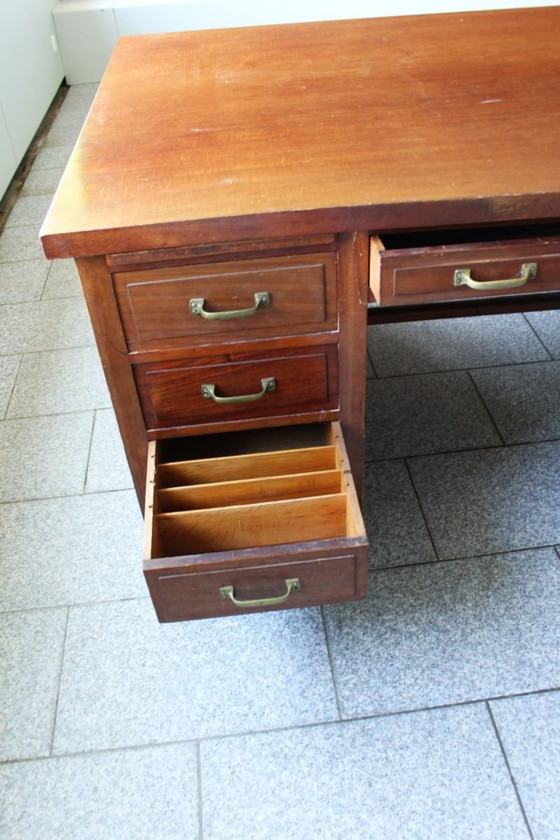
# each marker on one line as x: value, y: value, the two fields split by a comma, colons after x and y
x: 200, y: 137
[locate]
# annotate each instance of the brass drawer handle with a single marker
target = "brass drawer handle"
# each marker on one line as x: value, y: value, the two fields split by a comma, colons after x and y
x: 268, y: 385
x: 262, y: 301
x: 291, y: 584
x: 463, y: 277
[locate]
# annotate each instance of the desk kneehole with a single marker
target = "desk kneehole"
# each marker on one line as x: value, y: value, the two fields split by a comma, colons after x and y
x: 452, y: 265
x: 259, y: 530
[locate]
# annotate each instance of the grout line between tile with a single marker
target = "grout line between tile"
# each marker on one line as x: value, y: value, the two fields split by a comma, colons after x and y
x: 531, y: 327
x: 467, y: 558
x: 64, y: 495
x: 76, y: 604
x: 488, y: 412
x: 13, y: 388
x: 59, y: 681
x: 331, y: 665
x: 200, y: 809
x: 474, y: 449
x: 422, y: 512
x: 198, y: 741
x: 90, y: 448
x: 509, y: 770
x: 487, y: 448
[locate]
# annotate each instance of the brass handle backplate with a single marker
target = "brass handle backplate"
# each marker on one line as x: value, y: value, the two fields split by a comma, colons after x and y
x: 462, y: 277
x: 291, y: 584
x: 268, y: 385
x: 196, y: 306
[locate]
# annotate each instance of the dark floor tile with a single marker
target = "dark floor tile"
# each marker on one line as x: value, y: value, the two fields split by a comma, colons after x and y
x: 443, y: 633
x: 396, y: 529
x: 418, y: 415
x: 451, y: 344
x: 490, y: 501
x: 524, y: 400
x: 547, y: 326
x: 530, y: 731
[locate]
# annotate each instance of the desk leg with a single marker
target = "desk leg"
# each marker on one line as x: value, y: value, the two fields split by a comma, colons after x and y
x: 353, y: 256
x: 104, y: 316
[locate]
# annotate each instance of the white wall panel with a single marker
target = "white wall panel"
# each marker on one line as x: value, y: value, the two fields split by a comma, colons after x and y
x: 134, y: 17
x: 30, y: 72
x: 30, y: 75
x: 8, y: 162
x: 87, y: 37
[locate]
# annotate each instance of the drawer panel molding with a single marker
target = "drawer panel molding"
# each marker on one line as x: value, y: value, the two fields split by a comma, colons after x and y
x: 462, y: 270
x: 168, y: 308
x: 175, y: 395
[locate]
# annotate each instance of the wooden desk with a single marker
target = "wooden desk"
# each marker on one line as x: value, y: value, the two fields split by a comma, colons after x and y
x: 240, y: 203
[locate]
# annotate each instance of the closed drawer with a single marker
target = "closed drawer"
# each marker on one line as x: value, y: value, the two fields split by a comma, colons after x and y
x: 178, y: 394
x: 442, y: 266
x: 274, y: 523
x: 165, y: 308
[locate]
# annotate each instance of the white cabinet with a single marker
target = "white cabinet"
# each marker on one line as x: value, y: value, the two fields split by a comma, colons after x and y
x: 8, y: 163
x: 30, y: 74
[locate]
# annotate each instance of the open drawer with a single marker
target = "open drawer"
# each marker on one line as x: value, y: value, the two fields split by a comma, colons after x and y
x: 270, y: 520
x: 444, y: 265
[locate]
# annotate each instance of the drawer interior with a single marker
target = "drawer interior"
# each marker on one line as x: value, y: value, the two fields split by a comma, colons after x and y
x: 271, y: 487
x: 469, y: 235
x: 435, y: 266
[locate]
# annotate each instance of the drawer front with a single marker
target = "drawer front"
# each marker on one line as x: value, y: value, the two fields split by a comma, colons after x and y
x: 260, y: 530
x: 166, y: 308
x: 193, y: 594
x: 175, y: 395
x: 463, y: 271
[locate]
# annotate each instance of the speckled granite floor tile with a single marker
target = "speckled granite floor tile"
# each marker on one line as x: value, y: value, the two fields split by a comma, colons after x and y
x: 59, y: 381
x: 140, y: 682
x: 53, y: 156
x: 417, y: 415
x: 44, y: 325
x: 445, y: 633
x: 42, y: 181
x: 107, y: 467
x: 73, y: 550
x: 44, y: 456
x: 396, y: 529
x: 63, y: 280
x: 9, y: 366
x: 449, y: 344
x: 524, y: 400
x: 28, y: 210
x: 22, y: 281
x: 31, y: 646
x: 547, y: 326
x: 143, y: 794
x: 489, y: 501
x: 20, y: 243
x: 530, y: 731
x: 424, y: 776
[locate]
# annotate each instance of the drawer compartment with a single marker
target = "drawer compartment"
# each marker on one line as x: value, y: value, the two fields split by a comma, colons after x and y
x: 441, y: 266
x: 176, y: 394
x: 164, y: 308
x: 276, y: 527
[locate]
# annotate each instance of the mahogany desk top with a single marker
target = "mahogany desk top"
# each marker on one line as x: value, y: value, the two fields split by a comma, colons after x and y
x: 201, y: 137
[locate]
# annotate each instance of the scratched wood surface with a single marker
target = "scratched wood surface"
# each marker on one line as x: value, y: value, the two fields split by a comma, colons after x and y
x: 363, y: 124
